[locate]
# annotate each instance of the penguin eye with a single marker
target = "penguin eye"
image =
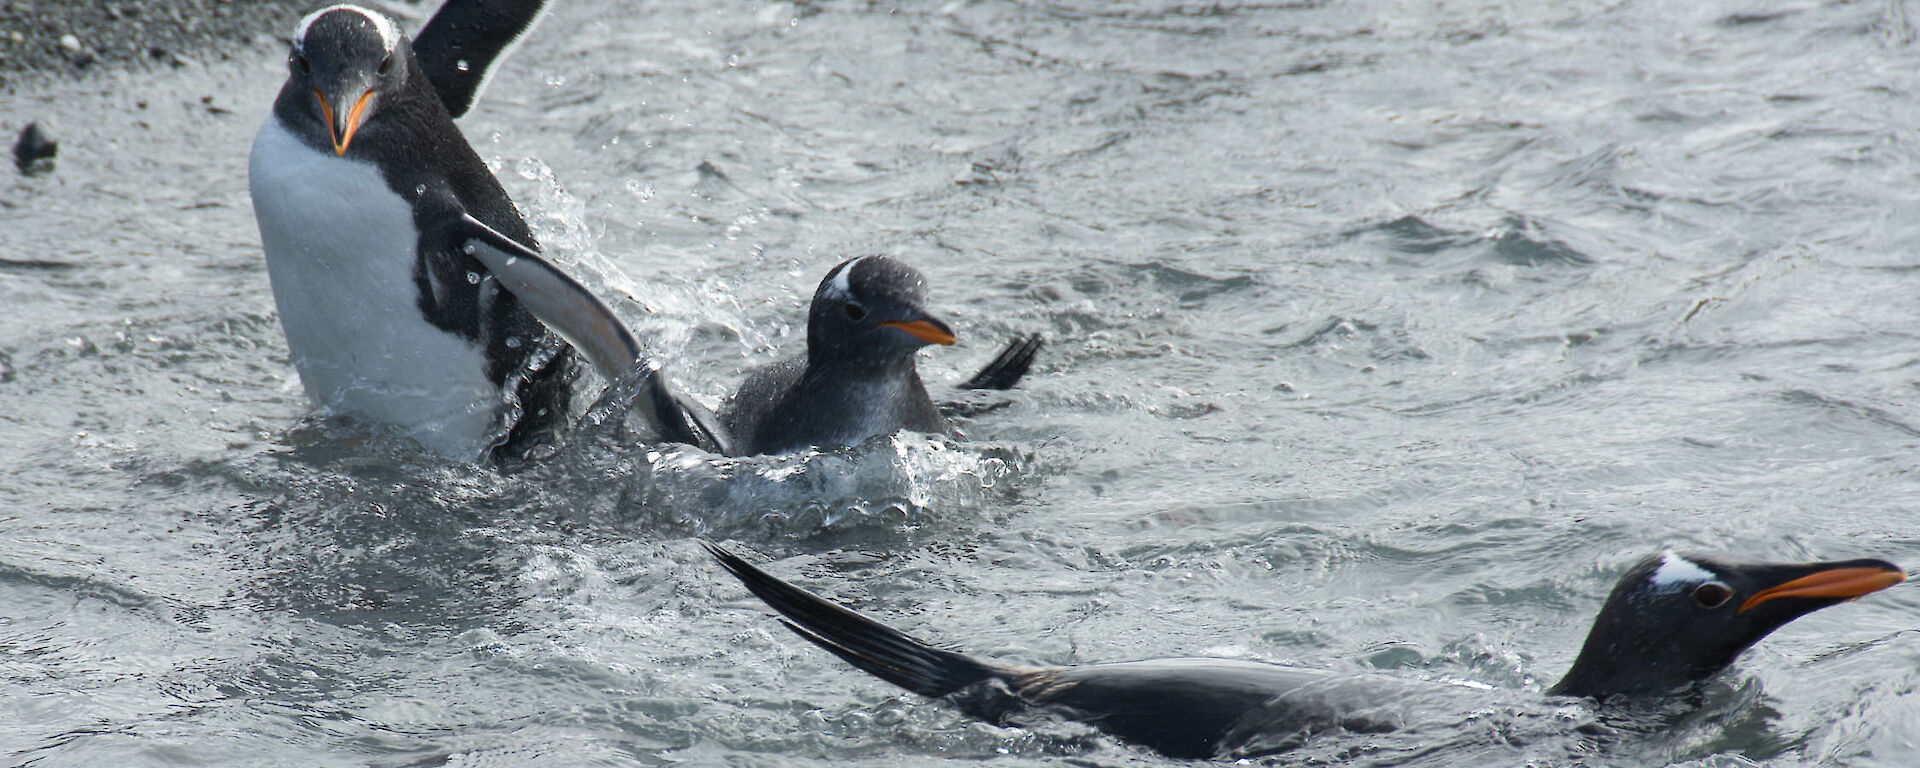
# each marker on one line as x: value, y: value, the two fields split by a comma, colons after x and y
x: 385, y: 64
x: 300, y: 62
x: 856, y: 312
x: 1712, y: 595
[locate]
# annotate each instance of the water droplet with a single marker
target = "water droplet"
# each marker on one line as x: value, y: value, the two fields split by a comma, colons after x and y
x: 419, y: 189
x: 512, y: 260
x: 473, y: 278
x: 513, y: 342
x: 467, y: 249
x: 461, y: 65
x: 733, y: 60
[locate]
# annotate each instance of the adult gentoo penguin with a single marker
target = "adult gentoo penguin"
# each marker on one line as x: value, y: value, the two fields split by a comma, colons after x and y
x: 1672, y: 621
x: 858, y: 378
x: 379, y: 224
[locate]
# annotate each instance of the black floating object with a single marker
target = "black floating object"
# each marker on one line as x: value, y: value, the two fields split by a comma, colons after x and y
x: 33, y: 153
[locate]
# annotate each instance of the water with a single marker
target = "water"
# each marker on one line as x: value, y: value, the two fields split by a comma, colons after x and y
x: 1383, y: 336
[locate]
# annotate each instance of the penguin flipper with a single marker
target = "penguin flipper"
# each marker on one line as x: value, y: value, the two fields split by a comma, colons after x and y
x: 1009, y: 367
x: 684, y: 420
x: 553, y: 296
x: 587, y: 323
x: 868, y: 645
x: 466, y: 39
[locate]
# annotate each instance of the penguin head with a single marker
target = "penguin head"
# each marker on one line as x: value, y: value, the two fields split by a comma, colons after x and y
x: 872, y: 308
x: 344, y: 60
x: 1676, y: 619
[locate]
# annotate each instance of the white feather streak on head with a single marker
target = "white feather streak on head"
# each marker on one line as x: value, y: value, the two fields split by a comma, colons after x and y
x: 1676, y: 571
x: 389, y: 34
x: 840, y: 287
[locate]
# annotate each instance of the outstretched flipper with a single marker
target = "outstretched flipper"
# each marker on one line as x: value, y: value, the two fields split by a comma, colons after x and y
x: 590, y: 326
x: 466, y: 39
x: 875, y: 648
x: 1009, y: 367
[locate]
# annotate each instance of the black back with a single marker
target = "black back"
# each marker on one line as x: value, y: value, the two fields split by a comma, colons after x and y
x: 1179, y: 707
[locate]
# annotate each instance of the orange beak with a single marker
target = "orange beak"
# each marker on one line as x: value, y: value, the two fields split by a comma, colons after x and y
x: 1846, y: 583
x: 342, y: 135
x: 923, y: 330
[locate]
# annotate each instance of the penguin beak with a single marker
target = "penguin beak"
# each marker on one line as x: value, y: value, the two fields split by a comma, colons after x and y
x: 1837, y: 582
x: 926, y: 329
x: 340, y: 127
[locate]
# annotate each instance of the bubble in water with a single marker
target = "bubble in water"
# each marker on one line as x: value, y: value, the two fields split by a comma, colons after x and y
x: 642, y: 190
x: 513, y: 342
x: 419, y: 189
x: 461, y: 65
x: 473, y: 278
x: 467, y: 249
x: 733, y: 60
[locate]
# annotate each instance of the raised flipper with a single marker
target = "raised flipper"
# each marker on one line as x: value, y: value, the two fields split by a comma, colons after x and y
x: 587, y: 323
x: 1007, y: 369
x: 466, y: 39
x: 874, y: 648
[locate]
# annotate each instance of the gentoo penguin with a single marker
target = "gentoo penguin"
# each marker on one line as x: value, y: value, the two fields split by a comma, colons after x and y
x: 1672, y: 621
x: 858, y: 378
x: 383, y: 230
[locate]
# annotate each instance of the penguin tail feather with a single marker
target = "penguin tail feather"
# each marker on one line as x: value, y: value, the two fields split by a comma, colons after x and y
x: 874, y: 648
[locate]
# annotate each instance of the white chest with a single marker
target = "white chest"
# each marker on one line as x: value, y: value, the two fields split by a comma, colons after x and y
x: 340, y: 250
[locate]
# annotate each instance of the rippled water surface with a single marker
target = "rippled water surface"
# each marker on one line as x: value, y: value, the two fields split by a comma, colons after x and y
x: 1384, y: 335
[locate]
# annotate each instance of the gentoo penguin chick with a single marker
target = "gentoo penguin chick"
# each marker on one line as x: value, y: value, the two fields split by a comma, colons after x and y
x: 858, y: 378
x: 384, y: 233
x: 1671, y: 622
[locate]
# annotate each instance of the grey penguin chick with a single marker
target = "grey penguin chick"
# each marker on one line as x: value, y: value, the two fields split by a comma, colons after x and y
x: 858, y: 378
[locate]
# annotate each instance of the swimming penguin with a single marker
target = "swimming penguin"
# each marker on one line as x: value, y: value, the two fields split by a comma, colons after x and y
x: 857, y: 381
x: 1672, y: 621
x: 858, y: 378
x: 383, y: 231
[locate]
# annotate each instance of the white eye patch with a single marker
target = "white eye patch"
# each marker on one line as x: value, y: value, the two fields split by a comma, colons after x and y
x: 1676, y: 572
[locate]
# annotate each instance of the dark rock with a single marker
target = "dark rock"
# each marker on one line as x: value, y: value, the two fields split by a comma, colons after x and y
x: 33, y: 153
